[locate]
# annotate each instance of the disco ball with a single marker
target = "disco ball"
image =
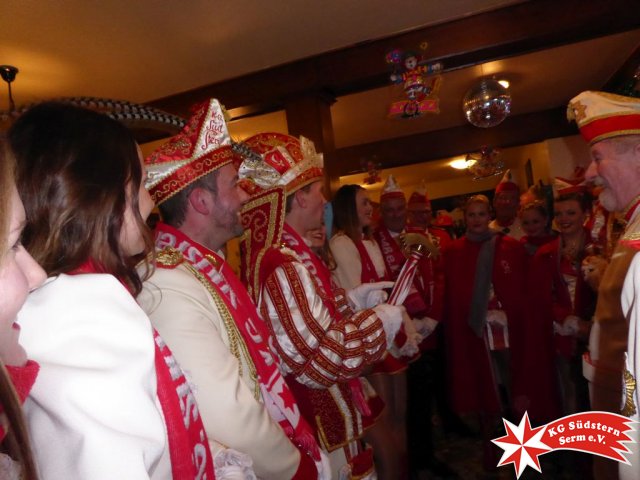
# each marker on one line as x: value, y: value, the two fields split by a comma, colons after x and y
x: 486, y: 104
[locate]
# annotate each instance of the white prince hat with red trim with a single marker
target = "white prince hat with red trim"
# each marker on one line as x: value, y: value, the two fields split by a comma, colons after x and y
x: 391, y: 189
x: 602, y: 115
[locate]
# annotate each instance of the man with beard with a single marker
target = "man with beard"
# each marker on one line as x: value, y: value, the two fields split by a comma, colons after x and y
x: 506, y: 202
x: 610, y: 124
x: 205, y: 314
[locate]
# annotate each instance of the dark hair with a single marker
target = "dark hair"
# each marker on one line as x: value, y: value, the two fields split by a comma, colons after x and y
x: 74, y: 168
x: 583, y: 199
x: 345, y: 212
x: 174, y: 209
x: 7, y: 183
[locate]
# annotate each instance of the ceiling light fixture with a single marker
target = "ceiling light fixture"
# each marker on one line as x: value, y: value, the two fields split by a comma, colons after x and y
x: 504, y: 83
x: 461, y: 163
x: 8, y: 74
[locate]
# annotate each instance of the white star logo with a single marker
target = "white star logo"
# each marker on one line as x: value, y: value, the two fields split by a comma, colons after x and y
x: 522, y: 445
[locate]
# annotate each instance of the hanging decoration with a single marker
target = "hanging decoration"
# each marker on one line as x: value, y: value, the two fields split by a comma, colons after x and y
x: 486, y: 104
x: 630, y: 88
x: 372, y: 172
x: 485, y: 163
x: 420, y: 82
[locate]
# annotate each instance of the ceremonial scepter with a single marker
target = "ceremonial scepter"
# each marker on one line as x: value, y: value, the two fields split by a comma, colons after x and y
x: 417, y: 245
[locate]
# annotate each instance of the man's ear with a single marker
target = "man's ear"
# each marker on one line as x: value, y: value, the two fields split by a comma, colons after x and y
x: 201, y: 201
x: 300, y: 198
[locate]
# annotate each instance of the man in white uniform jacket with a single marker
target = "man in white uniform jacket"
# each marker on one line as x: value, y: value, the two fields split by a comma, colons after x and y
x: 204, y: 313
x: 611, y: 125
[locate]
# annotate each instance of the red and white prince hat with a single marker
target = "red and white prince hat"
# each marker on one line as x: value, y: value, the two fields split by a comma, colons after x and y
x: 419, y: 197
x: 203, y: 145
x: 507, y: 184
x: 391, y: 190
x: 278, y: 160
x: 602, y: 115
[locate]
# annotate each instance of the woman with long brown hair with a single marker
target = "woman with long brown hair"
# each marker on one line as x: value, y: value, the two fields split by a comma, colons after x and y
x: 19, y: 274
x: 359, y: 260
x: 109, y: 398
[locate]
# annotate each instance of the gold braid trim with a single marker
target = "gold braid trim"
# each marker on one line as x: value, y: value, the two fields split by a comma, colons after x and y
x: 629, y: 388
x: 236, y: 342
x: 169, y: 257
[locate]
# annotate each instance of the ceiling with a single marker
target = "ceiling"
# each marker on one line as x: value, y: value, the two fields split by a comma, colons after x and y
x: 147, y: 49
x: 253, y: 54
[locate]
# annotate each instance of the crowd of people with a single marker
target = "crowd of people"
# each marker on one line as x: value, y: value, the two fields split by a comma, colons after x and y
x: 132, y: 353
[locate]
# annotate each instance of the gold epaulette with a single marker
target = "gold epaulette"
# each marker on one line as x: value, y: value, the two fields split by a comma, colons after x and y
x: 169, y: 257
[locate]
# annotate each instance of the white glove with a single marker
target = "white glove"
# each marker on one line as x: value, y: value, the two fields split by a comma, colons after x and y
x: 323, y: 466
x: 425, y: 326
x: 410, y: 347
x: 233, y: 465
x: 569, y: 327
x: 368, y: 295
x: 497, y: 318
x: 391, y: 317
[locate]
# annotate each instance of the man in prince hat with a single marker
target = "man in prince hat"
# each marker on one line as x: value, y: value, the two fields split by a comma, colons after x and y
x: 611, y: 126
x: 425, y: 376
x: 506, y: 202
x: 205, y: 313
x: 325, y: 337
x: 420, y: 215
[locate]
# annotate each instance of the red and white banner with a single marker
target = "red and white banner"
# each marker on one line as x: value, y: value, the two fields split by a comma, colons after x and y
x: 598, y: 433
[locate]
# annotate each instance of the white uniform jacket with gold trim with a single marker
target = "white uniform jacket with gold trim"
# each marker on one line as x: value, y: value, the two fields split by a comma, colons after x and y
x: 631, y: 399
x: 215, y: 360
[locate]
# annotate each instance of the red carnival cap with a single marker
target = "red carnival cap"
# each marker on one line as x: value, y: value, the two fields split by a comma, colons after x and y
x: 507, y: 184
x: 203, y: 145
x: 276, y: 159
x: 574, y: 184
x: 419, y: 197
x: 391, y: 190
x: 602, y: 115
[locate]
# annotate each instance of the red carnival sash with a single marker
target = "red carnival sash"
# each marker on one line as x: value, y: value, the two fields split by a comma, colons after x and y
x: 368, y: 272
x: 277, y: 397
x: 22, y: 379
x: 188, y: 446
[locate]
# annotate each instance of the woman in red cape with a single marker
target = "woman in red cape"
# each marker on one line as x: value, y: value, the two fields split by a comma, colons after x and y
x: 484, y: 286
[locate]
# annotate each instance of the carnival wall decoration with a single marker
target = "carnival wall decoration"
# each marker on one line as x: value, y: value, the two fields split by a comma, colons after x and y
x: 420, y: 82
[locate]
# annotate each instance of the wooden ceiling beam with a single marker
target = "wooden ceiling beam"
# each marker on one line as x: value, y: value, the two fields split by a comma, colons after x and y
x: 525, y: 27
x: 397, y: 152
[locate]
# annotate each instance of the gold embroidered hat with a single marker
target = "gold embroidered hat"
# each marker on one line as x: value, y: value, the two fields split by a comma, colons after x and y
x: 602, y: 115
x: 279, y: 160
x: 203, y: 145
